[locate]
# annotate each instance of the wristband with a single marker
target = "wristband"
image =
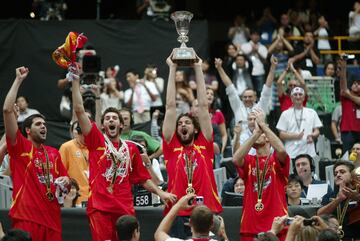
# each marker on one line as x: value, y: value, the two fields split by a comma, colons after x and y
x: 71, y: 76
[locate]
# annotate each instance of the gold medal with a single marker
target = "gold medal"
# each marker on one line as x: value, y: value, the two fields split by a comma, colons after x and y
x: 190, y: 189
x: 340, y: 232
x: 110, y: 189
x: 259, y: 206
x: 50, y: 196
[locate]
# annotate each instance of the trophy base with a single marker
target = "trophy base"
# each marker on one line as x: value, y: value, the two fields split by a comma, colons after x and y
x: 184, y: 56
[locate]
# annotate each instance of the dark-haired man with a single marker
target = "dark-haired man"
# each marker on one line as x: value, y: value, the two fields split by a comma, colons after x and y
x: 265, y: 177
x: 189, y: 151
x: 350, y: 104
x: 304, y: 168
x: 201, y: 221
x: 128, y: 228
x: 344, y: 202
x: 35, y: 169
x: 114, y: 165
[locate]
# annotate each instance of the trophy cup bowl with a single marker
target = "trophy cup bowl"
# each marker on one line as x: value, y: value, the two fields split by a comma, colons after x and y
x: 183, y: 56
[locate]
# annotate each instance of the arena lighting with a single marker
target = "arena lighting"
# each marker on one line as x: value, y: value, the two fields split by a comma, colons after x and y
x: 32, y: 15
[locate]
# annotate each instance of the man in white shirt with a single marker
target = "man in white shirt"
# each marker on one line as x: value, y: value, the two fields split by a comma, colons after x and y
x: 299, y: 126
x: 257, y: 53
x: 139, y: 97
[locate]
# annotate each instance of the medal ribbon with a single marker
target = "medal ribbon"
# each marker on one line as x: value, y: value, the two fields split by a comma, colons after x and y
x: 341, y: 215
x: 260, y: 179
x: 46, y: 174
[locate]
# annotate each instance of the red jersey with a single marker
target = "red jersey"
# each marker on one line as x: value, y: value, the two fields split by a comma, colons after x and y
x: 286, y: 102
x: 101, y: 168
x: 349, y: 122
x: 273, y: 196
x: 28, y: 166
x: 203, y: 175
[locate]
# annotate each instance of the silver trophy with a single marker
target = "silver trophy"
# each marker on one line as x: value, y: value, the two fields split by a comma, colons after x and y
x: 183, y: 56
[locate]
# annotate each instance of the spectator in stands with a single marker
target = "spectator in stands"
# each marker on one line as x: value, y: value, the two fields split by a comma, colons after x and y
x: 156, y: 124
x: 152, y: 164
x: 323, y: 34
x: 335, y: 123
x: 241, y: 107
x: 293, y: 190
x: 75, y: 157
x: 235, y: 185
x: 355, y: 154
x: 189, y: 150
x: 265, y: 176
x: 153, y: 146
x: 151, y: 75
x: 281, y: 48
x: 127, y: 228
x: 184, y: 93
x: 24, y: 110
x: 4, y: 156
x: 139, y: 97
x: 266, y: 25
x: 285, y: 96
x: 354, y: 26
x: 210, y: 79
x: 112, y: 95
x: 286, y: 29
x: 70, y: 200
x: 257, y: 53
x: 201, y: 221
x: 350, y: 102
x: 306, y: 54
x: 114, y: 166
x: 299, y: 126
x: 239, y: 33
x: 35, y: 169
x: 242, y: 73
x: 304, y: 167
x: 340, y: 201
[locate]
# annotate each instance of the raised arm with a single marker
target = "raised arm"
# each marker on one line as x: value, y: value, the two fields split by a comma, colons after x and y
x: 299, y: 77
x: 169, y: 124
x: 163, y: 229
x: 10, y: 121
x: 274, y: 140
x: 238, y: 157
x: 342, y: 65
x: 279, y: 83
x: 204, y: 116
x: 224, y: 77
x: 78, y: 105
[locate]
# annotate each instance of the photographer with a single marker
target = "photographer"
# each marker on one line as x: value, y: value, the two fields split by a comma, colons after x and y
x: 89, y: 67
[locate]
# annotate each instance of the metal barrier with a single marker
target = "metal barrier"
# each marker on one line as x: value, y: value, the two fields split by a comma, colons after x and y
x: 338, y: 39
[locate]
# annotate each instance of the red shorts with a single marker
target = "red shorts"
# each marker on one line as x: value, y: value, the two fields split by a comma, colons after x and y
x: 37, y: 231
x: 102, y: 225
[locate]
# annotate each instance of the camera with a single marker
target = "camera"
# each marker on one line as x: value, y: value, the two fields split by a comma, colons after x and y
x: 289, y: 221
